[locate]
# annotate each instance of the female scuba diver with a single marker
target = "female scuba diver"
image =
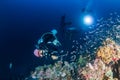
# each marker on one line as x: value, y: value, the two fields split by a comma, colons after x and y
x: 48, y: 45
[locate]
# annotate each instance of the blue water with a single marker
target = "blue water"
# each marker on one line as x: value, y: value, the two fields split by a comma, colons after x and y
x: 22, y: 22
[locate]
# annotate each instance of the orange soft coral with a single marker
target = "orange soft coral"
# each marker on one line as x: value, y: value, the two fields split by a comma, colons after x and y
x: 109, y: 51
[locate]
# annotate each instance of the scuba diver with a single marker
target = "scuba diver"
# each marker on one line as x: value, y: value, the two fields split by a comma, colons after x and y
x: 48, y: 46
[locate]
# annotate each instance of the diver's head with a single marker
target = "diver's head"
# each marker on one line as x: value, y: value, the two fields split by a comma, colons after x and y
x: 54, y: 31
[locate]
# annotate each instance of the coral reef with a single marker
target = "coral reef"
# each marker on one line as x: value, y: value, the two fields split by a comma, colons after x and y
x: 105, y: 66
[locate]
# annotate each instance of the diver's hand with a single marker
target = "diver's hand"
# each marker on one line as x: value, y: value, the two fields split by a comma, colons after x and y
x: 56, y: 42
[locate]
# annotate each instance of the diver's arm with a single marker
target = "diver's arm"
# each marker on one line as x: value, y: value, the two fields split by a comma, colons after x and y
x: 41, y: 40
x: 56, y: 42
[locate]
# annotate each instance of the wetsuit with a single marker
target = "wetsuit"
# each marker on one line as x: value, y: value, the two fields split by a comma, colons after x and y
x: 47, y: 42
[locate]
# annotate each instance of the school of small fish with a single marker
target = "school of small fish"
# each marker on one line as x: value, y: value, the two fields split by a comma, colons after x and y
x: 92, y: 39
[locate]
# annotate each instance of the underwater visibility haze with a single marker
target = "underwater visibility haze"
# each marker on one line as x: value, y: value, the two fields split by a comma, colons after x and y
x: 66, y: 37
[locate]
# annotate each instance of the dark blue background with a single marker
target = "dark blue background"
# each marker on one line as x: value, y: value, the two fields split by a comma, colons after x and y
x: 22, y: 22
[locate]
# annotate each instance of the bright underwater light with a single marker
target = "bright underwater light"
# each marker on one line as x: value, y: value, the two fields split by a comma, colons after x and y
x: 88, y: 20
